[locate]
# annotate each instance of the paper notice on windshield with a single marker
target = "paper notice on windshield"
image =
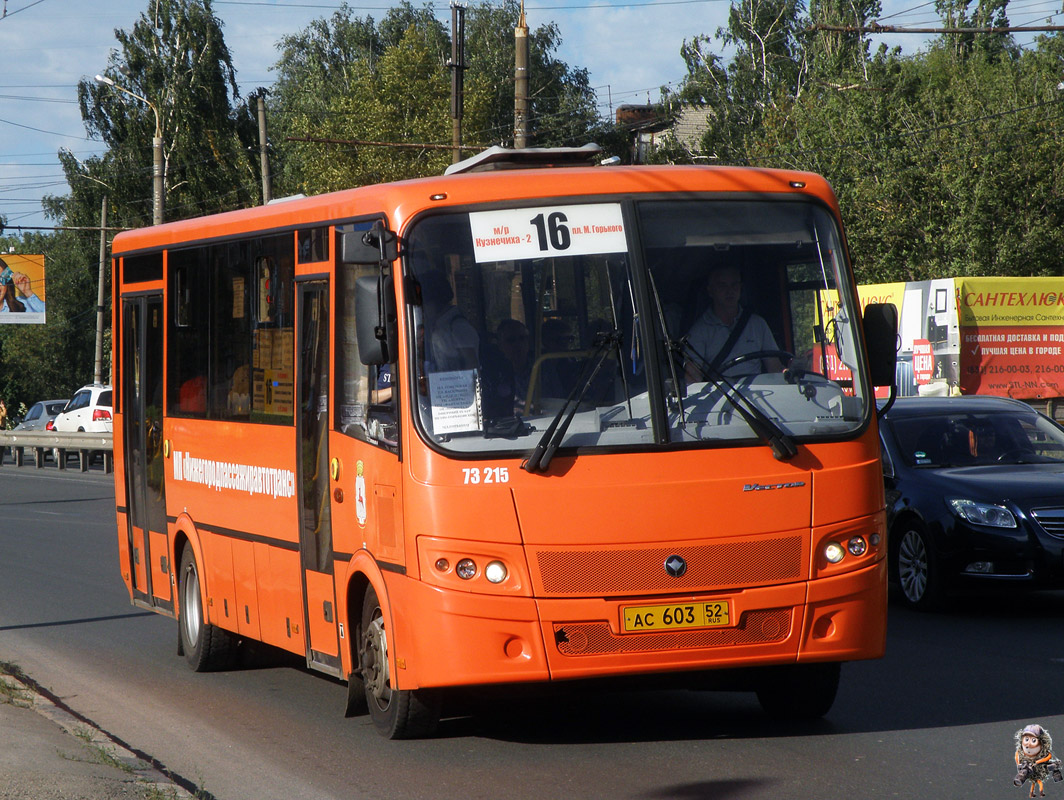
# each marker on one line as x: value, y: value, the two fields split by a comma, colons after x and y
x: 519, y: 233
x: 455, y: 407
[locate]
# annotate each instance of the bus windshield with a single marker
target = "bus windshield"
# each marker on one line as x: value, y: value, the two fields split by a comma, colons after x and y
x: 633, y: 324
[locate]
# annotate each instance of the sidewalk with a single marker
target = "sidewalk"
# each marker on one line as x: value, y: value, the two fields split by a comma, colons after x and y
x: 46, y: 753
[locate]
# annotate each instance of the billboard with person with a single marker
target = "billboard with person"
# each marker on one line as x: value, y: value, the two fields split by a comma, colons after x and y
x: 22, y: 289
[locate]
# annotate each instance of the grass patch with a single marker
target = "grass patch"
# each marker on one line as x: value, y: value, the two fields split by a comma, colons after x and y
x: 13, y: 692
x: 153, y: 792
x: 100, y: 753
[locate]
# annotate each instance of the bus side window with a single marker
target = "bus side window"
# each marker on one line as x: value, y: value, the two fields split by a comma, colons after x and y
x: 367, y: 396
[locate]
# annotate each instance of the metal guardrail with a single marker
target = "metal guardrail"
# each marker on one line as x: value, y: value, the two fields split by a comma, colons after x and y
x: 42, y: 443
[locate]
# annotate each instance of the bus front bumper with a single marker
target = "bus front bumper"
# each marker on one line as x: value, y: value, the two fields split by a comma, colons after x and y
x: 449, y: 638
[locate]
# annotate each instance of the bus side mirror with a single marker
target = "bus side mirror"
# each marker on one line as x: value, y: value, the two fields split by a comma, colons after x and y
x: 376, y: 319
x: 881, y: 336
x: 378, y: 245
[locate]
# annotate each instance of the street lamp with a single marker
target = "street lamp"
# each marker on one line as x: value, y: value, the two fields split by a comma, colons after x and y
x: 158, y: 198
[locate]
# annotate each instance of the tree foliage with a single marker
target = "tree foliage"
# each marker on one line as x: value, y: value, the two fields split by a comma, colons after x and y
x: 943, y: 161
x: 352, y: 79
x: 175, y: 56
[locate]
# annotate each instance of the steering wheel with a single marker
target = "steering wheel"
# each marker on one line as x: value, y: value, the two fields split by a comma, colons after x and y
x: 782, y: 355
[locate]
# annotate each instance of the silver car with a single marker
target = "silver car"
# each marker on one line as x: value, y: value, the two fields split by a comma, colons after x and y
x: 40, y: 414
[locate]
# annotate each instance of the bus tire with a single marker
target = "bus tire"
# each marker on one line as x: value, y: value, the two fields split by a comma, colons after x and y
x: 206, y: 647
x: 397, y: 713
x: 799, y: 691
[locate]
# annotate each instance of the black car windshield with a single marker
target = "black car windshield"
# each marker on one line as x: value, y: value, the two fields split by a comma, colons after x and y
x: 969, y: 439
x: 515, y: 311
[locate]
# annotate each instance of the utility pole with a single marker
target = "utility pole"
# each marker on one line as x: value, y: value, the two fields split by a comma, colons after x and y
x: 521, y: 81
x: 97, y: 375
x: 457, y: 65
x: 264, y: 158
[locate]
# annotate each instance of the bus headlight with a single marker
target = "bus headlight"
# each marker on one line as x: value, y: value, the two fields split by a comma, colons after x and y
x: 857, y: 546
x: 834, y: 553
x: 495, y: 572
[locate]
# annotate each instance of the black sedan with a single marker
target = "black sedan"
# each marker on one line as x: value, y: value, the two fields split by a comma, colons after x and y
x: 975, y: 492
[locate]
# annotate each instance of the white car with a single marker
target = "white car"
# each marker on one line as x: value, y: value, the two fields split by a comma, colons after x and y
x: 88, y: 410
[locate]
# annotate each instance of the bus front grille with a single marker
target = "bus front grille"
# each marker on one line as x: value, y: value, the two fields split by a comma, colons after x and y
x: 718, y: 565
x: 595, y: 638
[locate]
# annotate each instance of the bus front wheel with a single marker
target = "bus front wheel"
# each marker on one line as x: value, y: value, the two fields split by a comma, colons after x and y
x: 397, y: 713
x: 206, y: 647
x: 799, y: 691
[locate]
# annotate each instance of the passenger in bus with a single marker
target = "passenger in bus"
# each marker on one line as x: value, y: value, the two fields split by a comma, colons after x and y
x: 556, y: 375
x: 512, y: 338
x: 238, y: 400
x: 381, y: 421
x: 192, y: 396
x: 726, y: 324
x: 452, y: 342
x: 382, y: 393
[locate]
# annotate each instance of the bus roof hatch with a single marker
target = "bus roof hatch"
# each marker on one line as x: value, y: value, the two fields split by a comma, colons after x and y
x: 496, y: 157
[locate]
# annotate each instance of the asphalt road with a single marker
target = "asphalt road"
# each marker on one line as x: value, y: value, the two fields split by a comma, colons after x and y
x: 935, y: 718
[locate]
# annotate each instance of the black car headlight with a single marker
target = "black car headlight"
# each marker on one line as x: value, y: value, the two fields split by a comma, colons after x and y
x: 989, y: 514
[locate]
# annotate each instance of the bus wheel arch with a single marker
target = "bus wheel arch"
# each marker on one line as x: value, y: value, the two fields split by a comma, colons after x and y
x: 356, y: 694
x: 396, y: 713
x: 205, y: 646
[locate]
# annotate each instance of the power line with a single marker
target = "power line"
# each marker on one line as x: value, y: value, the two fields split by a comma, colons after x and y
x: 876, y: 28
x: 7, y: 13
x: 41, y: 130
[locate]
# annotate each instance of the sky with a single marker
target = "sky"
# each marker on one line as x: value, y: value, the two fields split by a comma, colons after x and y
x: 631, y: 50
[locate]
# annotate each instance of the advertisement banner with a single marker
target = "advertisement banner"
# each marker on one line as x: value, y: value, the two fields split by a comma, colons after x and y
x: 1011, y: 336
x: 21, y: 289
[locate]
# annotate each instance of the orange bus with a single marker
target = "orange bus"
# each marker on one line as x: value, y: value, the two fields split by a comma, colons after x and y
x: 470, y: 430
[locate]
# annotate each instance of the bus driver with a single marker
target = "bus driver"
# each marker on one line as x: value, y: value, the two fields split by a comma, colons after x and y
x: 726, y: 324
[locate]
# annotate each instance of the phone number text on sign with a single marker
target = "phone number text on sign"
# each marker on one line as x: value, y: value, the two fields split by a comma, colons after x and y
x: 518, y: 233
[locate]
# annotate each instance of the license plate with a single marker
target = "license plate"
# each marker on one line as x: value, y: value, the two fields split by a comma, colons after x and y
x: 676, y: 616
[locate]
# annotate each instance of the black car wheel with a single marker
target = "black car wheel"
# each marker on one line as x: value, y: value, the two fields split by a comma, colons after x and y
x: 916, y: 569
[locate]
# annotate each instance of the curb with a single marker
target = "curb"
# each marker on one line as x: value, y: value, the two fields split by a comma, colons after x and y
x: 149, y: 776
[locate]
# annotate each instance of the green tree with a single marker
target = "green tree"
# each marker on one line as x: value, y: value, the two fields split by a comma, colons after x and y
x: 766, y: 73
x: 944, y: 161
x: 390, y: 82
x: 176, y: 58
x: 943, y: 165
x: 39, y: 362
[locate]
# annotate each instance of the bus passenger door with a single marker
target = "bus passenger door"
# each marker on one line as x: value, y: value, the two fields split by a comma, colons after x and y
x: 315, y: 519
x: 142, y: 386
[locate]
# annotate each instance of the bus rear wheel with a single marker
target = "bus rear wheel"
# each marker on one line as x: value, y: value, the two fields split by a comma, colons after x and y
x: 206, y: 647
x: 799, y: 691
x: 397, y: 713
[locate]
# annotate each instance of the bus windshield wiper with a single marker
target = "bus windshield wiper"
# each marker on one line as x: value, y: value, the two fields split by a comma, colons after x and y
x: 782, y: 444
x: 541, y: 456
